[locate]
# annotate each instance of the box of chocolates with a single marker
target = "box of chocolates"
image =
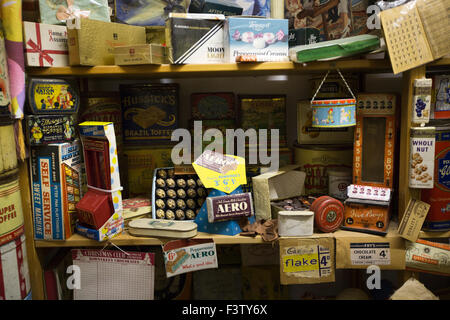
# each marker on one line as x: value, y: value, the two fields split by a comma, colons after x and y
x: 229, y: 207
x: 176, y: 196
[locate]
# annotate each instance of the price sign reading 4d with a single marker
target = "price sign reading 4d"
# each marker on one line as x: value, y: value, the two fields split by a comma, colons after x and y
x: 219, y: 171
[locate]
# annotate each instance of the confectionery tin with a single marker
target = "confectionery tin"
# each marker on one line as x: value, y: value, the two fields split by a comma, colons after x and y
x: 338, y: 181
x: 8, y: 156
x: 14, y: 273
x: 333, y: 113
x: 328, y: 213
x: 438, y: 218
x: 162, y: 228
x: 53, y: 96
x: 11, y: 213
x: 44, y: 129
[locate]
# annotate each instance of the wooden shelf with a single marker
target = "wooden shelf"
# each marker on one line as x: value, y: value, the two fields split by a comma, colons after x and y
x: 434, y: 234
x: 211, y: 70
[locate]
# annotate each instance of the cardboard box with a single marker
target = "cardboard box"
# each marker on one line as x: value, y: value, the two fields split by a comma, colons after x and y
x: 285, y: 183
x: 413, y: 219
x: 307, y: 134
x: 142, y: 162
x: 56, y: 188
x: 45, y: 45
x: 140, y: 54
x: 355, y: 250
x: 114, y: 225
x: 307, y: 260
x: 156, y: 34
x: 147, y: 12
x: 195, y: 38
x: 92, y: 42
x: 244, y: 43
x: 150, y: 112
x: 427, y: 256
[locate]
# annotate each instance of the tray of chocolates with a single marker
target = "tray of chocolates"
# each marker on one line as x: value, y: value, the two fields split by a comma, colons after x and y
x: 176, y: 196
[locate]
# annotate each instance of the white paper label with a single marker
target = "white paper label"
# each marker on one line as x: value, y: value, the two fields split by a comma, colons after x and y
x: 368, y: 193
x: 421, y: 163
x: 370, y: 253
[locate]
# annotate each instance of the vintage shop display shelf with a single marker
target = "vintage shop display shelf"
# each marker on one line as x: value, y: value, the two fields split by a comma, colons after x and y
x: 225, y: 69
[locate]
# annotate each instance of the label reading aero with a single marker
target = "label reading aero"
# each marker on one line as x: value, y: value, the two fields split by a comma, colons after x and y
x: 370, y: 253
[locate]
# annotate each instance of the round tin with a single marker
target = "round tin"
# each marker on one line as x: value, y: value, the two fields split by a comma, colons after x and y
x: 317, y: 160
x: 14, y: 274
x: 8, y: 156
x: 328, y: 214
x: 333, y: 113
x: 338, y: 181
x: 11, y: 213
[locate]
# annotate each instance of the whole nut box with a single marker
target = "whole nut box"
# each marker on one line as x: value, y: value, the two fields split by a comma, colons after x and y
x: 169, y: 188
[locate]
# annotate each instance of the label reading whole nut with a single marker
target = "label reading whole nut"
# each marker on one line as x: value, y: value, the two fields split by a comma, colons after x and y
x: 421, y: 159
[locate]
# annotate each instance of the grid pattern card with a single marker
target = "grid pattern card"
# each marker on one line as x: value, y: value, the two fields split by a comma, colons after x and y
x: 114, y: 275
x: 405, y: 37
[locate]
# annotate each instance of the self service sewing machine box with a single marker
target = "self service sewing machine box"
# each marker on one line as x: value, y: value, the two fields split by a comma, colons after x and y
x: 55, y: 176
x: 256, y: 39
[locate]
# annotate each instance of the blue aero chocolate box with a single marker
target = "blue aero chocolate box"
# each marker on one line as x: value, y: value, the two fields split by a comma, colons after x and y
x: 256, y: 39
x: 150, y: 112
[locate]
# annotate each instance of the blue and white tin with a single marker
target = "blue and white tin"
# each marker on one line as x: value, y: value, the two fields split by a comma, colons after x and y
x: 256, y: 39
x: 333, y: 113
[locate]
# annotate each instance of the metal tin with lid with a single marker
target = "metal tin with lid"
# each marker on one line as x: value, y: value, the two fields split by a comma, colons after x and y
x: 11, y: 212
x: 8, y: 155
x: 162, y: 228
x: 328, y: 213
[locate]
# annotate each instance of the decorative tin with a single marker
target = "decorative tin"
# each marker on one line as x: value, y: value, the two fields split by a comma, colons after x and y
x: 421, y: 101
x: 8, y: 155
x: 295, y: 223
x: 338, y: 181
x: 50, y: 129
x: 11, y: 213
x: 333, y: 113
x: 53, y: 96
x: 429, y: 257
x: 213, y: 105
x: 421, y: 157
x: 366, y: 216
x: 150, y: 112
x: 229, y: 207
x: 14, y: 273
x: 438, y: 218
x: 136, y: 208
x: 55, y: 177
x: 161, y: 228
x: 328, y: 213
x: 317, y: 160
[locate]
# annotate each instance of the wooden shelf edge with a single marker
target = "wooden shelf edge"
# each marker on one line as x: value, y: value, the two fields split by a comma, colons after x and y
x: 434, y: 234
x: 210, y: 69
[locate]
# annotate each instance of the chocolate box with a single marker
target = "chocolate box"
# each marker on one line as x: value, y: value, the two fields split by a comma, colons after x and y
x: 229, y: 207
x: 45, y: 45
x: 55, y: 171
x: 150, y: 112
x: 87, y: 50
x: 53, y: 96
x: 58, y: 12
x: 195, y: 38
x: 140, y: 54
x: 254, y: 39
x: 49, y: 129
x: 216, y: 7
x: 147, y: 12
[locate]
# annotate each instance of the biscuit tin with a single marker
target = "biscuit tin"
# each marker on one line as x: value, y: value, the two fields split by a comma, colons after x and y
x: 317, y: 160
x: 8, y: 155
x: 55, y: 186
x: 213, y: 106
x: 421, y: 101
x: 253, y: 39
x: 14, y: 272
x: 309, y: 134
x: 150, y: 112
x: 49, y: 129
x: 229, y: 207
x: 333, y: 113
x: 295, y: 223
x: 162, y: 228
x: 11, y: 212
x: 421, y: 161
x: 438, y: 218
x: 53, y: 96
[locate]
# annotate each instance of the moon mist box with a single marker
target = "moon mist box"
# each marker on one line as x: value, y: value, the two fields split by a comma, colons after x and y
x: 150, y: 112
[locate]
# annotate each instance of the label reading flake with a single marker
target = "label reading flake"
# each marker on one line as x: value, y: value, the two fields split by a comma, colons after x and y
x: 309, y: 261
x: 370, y: 253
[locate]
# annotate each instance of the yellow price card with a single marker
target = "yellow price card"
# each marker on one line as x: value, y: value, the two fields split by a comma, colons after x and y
x: 219, y: 171
x: 300, y: 262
